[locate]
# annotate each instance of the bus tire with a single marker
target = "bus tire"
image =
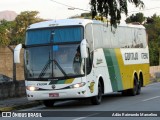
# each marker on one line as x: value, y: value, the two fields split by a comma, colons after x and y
x: 49, y: 103
x: 139, y: 87
x: 96, y: 100
x: 134, y: 90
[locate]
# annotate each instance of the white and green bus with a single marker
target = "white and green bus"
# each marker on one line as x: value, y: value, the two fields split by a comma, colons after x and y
x: 78, y: 58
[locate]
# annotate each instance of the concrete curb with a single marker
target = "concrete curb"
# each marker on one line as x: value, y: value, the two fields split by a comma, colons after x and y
x: 22, y: 106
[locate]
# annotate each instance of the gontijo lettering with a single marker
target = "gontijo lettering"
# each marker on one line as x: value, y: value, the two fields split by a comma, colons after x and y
x: 131, y: 56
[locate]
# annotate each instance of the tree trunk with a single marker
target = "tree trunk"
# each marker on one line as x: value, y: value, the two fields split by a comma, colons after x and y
x: 14, y: 65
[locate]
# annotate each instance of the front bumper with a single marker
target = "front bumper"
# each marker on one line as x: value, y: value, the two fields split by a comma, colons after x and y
x: 60, y: 94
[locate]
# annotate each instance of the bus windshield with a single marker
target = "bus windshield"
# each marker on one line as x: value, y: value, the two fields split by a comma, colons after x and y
x: 59, y: 59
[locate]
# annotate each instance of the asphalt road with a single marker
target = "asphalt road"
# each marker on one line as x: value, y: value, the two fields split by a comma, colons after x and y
x: 148, y: 100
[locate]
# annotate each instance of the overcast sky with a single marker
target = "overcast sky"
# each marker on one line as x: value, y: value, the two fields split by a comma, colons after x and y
x: 51, y: 10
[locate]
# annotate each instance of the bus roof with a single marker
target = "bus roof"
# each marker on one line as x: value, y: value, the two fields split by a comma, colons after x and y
x: 74, y: 22
x: 62, y: 22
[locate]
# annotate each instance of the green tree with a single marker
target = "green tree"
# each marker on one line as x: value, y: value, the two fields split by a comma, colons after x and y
x: 138, y: 17
x: 5, y: 32
x: 112, y: 8
x: 22, y: 21
x: 154, y: 53
x: 13, y: 32
x: 153, y: 30
x: 86, y: 15
x: 83, y: 15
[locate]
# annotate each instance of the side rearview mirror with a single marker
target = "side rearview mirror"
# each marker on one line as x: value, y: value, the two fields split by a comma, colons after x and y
x: 84, y: 53
x: 17, y: 51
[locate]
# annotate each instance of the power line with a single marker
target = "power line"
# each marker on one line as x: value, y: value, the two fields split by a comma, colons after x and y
x: 70, y: 7
x: 144, y: 10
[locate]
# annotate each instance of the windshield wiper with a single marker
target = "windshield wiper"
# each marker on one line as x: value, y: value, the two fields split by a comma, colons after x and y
x: 64, y: 73
x: 43, y: 72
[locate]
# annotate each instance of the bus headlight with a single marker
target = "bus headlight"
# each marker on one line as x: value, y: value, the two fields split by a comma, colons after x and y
x: 78, y: 85
x: 32, y: 88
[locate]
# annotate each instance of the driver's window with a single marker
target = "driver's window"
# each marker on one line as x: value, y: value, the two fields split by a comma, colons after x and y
x: 77, y: 62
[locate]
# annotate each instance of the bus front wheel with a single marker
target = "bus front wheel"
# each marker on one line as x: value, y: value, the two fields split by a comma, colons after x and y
x: 96, y: 100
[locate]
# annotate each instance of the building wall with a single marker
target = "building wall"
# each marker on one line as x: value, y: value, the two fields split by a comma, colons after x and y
x: 6, y: 63
x: 155, y: 71
x: 11, y: 89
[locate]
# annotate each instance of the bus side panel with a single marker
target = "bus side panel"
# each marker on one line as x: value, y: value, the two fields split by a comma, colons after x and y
x: 121, y: 73
x: 146, y: 75
x: 129, y: 64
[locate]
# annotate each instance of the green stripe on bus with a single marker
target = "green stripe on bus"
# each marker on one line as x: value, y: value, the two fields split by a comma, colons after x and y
x: 66, y: 81
x: 57, y: 82
x: 113, y: 68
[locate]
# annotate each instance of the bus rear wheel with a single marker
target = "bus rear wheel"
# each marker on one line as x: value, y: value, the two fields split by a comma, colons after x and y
x: 49, y: 103
x: 139, y: 87
x: 135, y: 88
x: 96, y: 100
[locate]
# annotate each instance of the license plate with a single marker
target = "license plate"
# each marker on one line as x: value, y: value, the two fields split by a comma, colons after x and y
x: 53, y: 94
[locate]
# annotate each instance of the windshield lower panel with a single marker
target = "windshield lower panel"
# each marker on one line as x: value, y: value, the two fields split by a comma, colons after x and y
x: 53, y: 62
